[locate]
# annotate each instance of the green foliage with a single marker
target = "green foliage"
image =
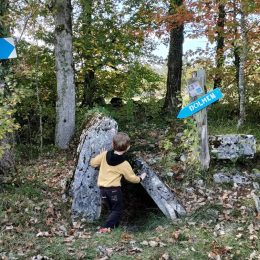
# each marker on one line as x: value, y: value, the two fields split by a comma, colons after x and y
x: 189, y: 144
x: 35, y: 72
x: 85, y: 114
x: 8, y: 104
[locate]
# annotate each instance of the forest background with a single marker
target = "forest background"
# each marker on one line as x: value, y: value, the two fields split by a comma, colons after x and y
x: 75, y: 56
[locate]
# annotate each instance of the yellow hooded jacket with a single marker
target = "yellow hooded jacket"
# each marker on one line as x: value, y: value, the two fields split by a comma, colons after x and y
x: 112, y: 168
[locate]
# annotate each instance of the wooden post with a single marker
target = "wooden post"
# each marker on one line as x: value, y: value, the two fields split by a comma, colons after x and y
x: 201, y: 118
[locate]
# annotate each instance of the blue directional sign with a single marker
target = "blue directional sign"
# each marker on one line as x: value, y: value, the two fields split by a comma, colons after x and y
x: 200, y: 103
x: 7, y: 48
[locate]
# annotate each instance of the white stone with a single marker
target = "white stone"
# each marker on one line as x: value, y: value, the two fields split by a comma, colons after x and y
x: 232, y: 146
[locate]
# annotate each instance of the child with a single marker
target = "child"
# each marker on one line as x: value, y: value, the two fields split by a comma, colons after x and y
x: 113, y: 165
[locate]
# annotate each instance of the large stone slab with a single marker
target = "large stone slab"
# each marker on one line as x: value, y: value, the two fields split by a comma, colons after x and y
x: 232, y: 146
x: 86, y: 203
x: 165, y: 199
x: 97, y: 134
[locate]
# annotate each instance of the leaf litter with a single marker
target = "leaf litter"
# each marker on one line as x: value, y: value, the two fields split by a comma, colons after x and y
x: 220, y: 211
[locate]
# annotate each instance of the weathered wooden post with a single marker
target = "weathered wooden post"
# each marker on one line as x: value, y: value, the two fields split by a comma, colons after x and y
x: 196, y: 88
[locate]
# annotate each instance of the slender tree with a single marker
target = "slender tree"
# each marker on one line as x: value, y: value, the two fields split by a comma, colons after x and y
x: 242, y: 64
x: 220, y: 44
x: 174, y: 61
x: 89, y: 77
x: 234, y: 43
x: 65, y: 106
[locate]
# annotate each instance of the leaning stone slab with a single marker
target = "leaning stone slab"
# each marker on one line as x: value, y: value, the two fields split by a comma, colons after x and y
x: 97, y: 134
x: 165, y: 199
x: 232, y: 146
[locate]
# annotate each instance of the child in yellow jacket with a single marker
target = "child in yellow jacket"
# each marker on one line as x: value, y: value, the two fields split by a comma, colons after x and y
x: 113, y: 165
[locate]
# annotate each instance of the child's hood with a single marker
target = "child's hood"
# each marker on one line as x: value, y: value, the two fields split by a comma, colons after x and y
x: 114, y: 159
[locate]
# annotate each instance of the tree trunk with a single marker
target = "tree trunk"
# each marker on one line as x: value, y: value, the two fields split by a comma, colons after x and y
x: 89, y: 88
x: 236, y: 48
x: 242, y: 86
x: 220, y: 45
x: 7, y: 160
x: 89, y: 78
x: 65, y: 105
x: 174, y: 64
x: 236, y: 63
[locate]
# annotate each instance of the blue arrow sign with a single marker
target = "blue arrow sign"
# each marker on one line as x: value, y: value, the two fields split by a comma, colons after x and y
x: 7, y: 48
x: 200, y: 103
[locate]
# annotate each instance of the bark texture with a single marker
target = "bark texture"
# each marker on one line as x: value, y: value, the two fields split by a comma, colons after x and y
x: 89, y: 78
x: 89, y: 88
x: 174, y: 63
x: 202, y: 122
x: 242, y: 83
x: 7, y: 161
x: 98, y: 134
x: 65, y: 105
x: 235, y: 46
x: 220, y: 45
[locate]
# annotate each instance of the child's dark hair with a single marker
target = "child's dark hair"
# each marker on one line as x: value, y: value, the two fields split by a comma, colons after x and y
x: 121, y: 142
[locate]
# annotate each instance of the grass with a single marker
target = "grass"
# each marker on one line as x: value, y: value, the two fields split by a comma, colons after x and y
x: 223, y: 118
x: 25, y: 207
x: 32, y: 204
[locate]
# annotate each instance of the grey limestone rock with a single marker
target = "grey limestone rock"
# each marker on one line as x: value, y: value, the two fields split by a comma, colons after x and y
x: 98, y: 134
x: 232, y: 146
x: 85, y: 193
x: 238, y: 179
x: 221, y: 178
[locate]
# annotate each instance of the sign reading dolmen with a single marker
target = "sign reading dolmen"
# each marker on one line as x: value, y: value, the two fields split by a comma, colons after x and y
x: 200, y: 103
x: 7, y: 49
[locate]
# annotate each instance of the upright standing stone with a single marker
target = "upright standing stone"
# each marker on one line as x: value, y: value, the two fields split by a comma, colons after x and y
x: 98, y: 134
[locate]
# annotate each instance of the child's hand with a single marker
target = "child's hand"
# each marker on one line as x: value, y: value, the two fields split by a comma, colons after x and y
x: 143, y: 175
x: 103, y: 150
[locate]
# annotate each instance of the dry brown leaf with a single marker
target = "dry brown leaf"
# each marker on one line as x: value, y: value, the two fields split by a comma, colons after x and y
x: 69, y: 239
x: 49, y: 221
x: 165, y: 256
x: 43, y: 234
x: 214, y: 256
x: 153, y: 243
x: 239, y: 235
x: 175, y: 235
x: 160, y: 228
x: 253, y: 237
x: 126, y: 237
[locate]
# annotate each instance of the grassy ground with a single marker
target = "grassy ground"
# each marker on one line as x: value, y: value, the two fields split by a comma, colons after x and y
x: 35, y: 220
x: 221, y: 221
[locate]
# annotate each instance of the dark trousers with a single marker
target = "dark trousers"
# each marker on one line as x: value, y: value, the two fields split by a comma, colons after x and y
x: 113, y: 198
